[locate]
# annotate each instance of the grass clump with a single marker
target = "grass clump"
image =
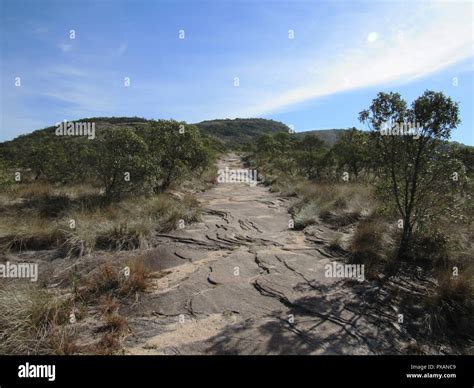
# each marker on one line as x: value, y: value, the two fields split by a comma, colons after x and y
x: 449, y: 308
x: 34, y: 321
x: 19, y: 234
x: 109, y: 280
x: 373, y: 246
x: 50, y: 220
x: 337, y: 205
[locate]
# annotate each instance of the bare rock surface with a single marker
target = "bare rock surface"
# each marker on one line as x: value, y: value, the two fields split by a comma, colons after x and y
x: 242, y: 282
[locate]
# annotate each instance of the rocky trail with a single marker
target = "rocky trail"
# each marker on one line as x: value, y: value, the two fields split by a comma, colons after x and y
x: 242, y: 282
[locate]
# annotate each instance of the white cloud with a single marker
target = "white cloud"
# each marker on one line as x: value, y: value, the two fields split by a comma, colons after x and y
x: 433, y: 36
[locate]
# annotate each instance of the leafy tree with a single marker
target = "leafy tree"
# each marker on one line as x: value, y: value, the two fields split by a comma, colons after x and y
x: 6, y: 176
x: 115, y: 155
x: 310, y: 156
x: 175, y: 149
x: 266, y: 145
x: 265, y: 149
x: 466, y: 156
x: 416, y: 171
x: 352, y: 153
x: 37, y: 155
x: 45, y: 155
x: 284, y: 156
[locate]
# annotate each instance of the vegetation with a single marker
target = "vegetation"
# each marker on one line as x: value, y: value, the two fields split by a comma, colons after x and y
x: 414, y: 170
x: 328, y: 136
x: 395, y: 202
x: 74, y: 196
x: 241, y: 132
x: 141, y: 157
x: 33, y: 321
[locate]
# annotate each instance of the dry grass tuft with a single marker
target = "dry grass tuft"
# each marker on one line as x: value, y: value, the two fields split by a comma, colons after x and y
x: 450, y: 309
x: 338, y: 205
x: 19, y: 234
x: 42, y: 219
x: 108, y: 344
x: 373, y: 245
x: 139, y: 279
x: 109, y: 281
x: 34, y: 321
x: 114, y: 323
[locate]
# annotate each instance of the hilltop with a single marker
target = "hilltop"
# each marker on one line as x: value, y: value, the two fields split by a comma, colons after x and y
x: 241, y: 131
x: 225, y: 131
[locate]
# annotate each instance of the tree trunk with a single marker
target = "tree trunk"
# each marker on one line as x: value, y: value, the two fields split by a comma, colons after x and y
x: 406, y: 240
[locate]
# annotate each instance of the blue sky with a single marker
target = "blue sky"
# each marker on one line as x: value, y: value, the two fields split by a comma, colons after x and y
x: 342, y: 54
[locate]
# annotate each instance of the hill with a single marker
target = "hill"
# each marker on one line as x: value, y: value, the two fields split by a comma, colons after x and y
x: 230, y: 132
x: 329, y: 136
x: 240, y: 131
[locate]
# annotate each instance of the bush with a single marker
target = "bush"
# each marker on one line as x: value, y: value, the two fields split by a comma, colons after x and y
x: 175, y: 149
x: 430, y: 249
x: 6, y: 177
x: 118, y: 158
x: 366, y: 243
x: 450, y: 308
x: 306, y: 215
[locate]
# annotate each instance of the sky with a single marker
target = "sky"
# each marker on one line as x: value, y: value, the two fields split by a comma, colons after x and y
x: 309, y: 64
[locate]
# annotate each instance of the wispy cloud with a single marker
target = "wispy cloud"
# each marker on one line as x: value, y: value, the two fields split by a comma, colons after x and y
x: 69, y: 71
x: 433, y: 37
x: 338, y: 47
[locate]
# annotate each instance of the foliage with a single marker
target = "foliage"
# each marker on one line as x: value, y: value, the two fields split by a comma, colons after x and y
x: 415, y: 171
x: 127, y: 155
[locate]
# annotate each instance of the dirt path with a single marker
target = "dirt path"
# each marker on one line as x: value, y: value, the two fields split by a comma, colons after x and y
x: 241, y: 282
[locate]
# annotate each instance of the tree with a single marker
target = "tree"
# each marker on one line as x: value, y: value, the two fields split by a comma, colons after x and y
x: 175, y: 149
x: 265, y: 145
x: 38, y: 155
x: 466, y: 156
x: 415, y: 167
x: 56, y: 159
x: 284, y: 152
x: 310, y: 156
x: 6, y: 176
x: 352, y: 151
x: 118, y: 159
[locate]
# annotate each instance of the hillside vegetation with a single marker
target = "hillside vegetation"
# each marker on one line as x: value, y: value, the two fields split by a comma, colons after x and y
x: 329, y: 136
x: 80, y: 202
x: 241, y: 131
